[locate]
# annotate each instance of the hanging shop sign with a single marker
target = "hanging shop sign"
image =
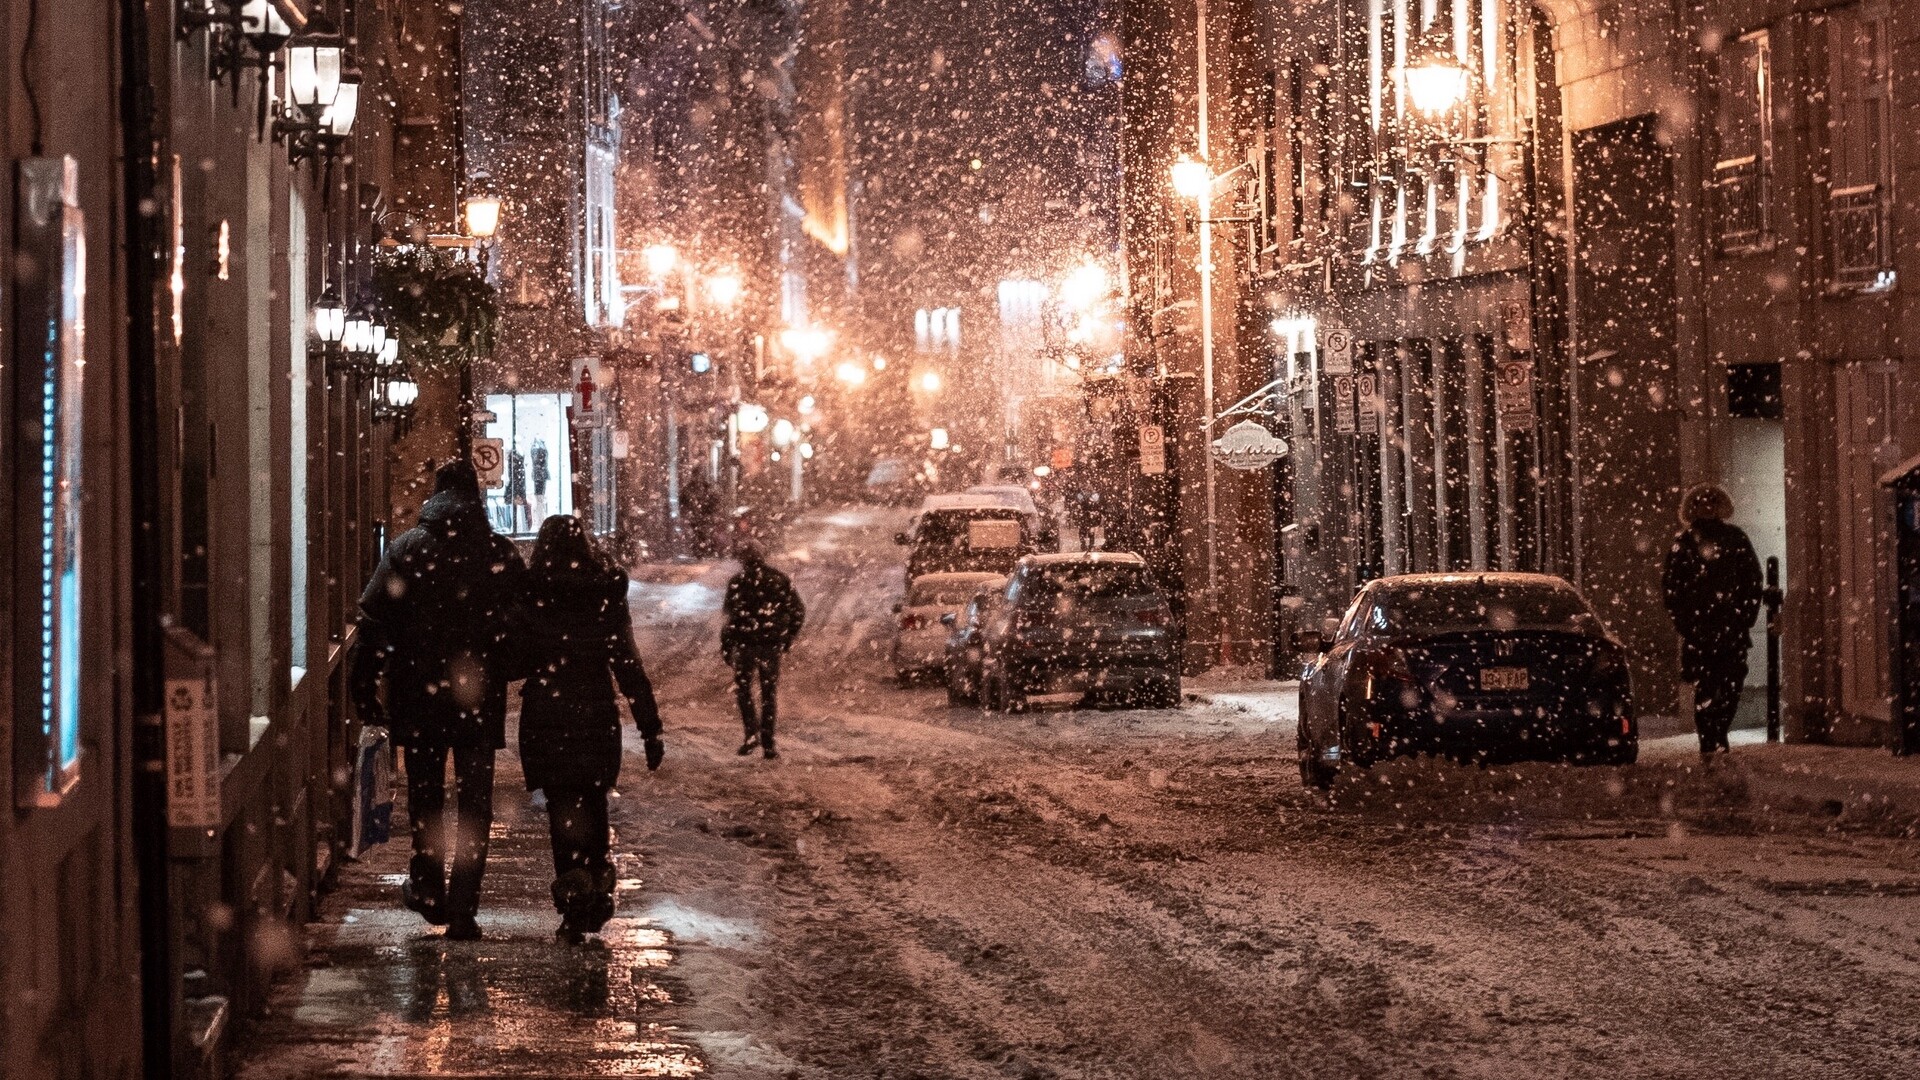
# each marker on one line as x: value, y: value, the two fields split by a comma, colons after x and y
x: 1153, y: 450
x: 1336, y: 351
x: 1343, y: 390
x: 1248, y: 445
x: 1513, y: 395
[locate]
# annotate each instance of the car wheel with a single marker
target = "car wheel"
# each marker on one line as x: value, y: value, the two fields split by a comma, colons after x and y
x: 1315, y: 771
x: 960, y: 690
x: 1166, y: 692
x: 1356, y: 751
x: 1007, y: 697
x: 1624, y: 752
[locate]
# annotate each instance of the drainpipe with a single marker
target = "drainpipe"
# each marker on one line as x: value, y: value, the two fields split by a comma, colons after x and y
x: 140, y: 150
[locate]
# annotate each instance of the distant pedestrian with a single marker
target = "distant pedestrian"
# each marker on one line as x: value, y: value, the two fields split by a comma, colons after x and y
x: 763, y: 616
x: 434, y: 623
x: 1713, y: 591
x: 576, y: 649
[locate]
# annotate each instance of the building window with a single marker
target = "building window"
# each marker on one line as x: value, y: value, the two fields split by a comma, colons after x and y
x: 1742, y: 142
x: 50, y: 351
x: 1858, y: 225
x: 536, y: 475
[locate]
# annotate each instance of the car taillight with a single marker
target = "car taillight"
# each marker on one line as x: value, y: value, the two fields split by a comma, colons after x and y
x: 1154, y: 617
x: 910, y: 621
x: 1391, y: 663
x: 1607, y: 662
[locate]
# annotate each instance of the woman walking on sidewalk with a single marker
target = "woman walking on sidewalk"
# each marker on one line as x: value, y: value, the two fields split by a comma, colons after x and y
x: 578, y: 648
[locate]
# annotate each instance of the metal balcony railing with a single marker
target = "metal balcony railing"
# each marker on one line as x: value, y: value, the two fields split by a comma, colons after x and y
x: 1739, y: 202
x: 1857, y: 228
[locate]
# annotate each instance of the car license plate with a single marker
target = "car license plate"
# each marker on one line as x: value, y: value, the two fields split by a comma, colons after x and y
x: 1503, y: 678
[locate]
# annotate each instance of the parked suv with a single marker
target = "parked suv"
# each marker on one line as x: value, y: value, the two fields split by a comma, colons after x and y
x: 1089, y: 623
x: 966, y: 533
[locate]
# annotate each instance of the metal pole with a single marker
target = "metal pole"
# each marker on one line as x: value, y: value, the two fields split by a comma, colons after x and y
x: 1773, y: 597
x: 1206, y: 337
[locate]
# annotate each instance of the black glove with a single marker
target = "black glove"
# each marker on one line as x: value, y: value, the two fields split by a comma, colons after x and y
x: 655, y: 751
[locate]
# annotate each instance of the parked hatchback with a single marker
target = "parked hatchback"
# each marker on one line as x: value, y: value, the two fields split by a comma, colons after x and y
x: 922, y: 620
x: 1088, y: 623
x: 1502, y: 666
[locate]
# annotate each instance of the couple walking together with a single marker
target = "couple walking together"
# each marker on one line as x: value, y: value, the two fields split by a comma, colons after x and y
x: 449, y: 618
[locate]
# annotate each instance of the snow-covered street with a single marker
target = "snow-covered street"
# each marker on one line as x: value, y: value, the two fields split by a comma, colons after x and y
x: 918, y: 891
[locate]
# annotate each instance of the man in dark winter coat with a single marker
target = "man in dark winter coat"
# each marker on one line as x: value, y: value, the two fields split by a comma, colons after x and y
x: 435, y: 621
x: 1713, y: 592
x: 763, y: 616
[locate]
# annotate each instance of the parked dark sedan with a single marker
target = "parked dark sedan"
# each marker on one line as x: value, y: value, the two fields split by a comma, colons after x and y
x: 1485, y: 666
x: 1081, y: 623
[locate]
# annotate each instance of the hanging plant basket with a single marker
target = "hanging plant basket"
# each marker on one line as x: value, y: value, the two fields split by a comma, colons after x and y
x: 442, y: 306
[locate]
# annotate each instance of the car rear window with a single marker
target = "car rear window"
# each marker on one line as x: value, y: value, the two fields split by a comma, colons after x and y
x: 954, y: 528
x: 1473, y: 605
x: 1089, y: 581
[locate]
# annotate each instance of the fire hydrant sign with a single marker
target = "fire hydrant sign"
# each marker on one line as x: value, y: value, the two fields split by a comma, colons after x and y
x: 590, y: 390
x: 193, y: 755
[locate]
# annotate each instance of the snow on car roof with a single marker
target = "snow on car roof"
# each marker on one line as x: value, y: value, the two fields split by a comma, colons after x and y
x: 960, y: 501
x: 956, y: 577
x: 1507, y: 578
x: 1065, y: 557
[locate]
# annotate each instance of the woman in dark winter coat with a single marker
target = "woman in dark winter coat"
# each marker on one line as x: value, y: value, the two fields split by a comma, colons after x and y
x: 577, y: 649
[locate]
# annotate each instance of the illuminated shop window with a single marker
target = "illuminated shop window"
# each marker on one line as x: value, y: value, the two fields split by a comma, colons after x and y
x: 50, y: 346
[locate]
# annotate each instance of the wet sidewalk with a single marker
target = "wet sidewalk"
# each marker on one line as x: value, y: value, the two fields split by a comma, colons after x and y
x: 382, y: 994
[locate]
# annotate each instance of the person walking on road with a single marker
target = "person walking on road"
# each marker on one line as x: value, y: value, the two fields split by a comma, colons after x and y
x: 763, y: 615
x: 434, y: 623
x: 576, y: 649
x: 1713, y: 591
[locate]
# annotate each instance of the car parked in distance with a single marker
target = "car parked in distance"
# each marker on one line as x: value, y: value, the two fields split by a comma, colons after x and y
x: 894, y: 482
x: 1480, y: 666
x: 920, y: 636
x: 963, y: 649
x: 1041, y: 519
x: 960, y: 533
x: 1088, y: 623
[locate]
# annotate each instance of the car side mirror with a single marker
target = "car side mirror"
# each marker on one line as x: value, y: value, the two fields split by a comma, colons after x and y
x: 1309, y: 641
x: 900, y: 538
x: 948, y: 619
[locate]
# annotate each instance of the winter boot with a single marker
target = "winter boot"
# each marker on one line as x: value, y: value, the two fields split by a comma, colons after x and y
x: 425, y: 890
x: 597, y: 906
x: 747, y: 746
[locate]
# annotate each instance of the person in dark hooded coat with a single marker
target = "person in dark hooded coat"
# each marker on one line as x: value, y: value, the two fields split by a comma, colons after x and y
x: 435, y: 621
x: 763, y: 615
x: 577, y: 648
x: 1713, y: 591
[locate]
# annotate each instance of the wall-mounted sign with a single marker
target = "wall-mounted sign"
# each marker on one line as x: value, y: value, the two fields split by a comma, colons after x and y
x: 1248, y: 445
x: 1336, y: 351
x: 489, y: 460
x: 1343, y: 391
x: 1517, y: 326
x: 1513, y: 395
x: 1367, y: 386
x: 193, y: 754
x: 591, y: 390
x: 1153, y: 450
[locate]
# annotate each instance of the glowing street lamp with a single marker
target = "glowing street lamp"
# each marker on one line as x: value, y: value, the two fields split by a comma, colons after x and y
x: 660, y: 259
x: 315, y: 61
x: 724, y: 290
x: 482, y: 213
x: 329, y: 317
x: 930, y: 382
x: 1436, y: 81
x: 850, y: 373
x: 807, y: 344
x: 1085, y: 287
x: 1191, y: 178
x: 937, y: 439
